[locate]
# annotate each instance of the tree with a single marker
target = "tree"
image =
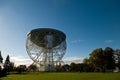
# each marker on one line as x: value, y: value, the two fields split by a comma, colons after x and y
x: 109, y: 62
x: 102, y: 60
x: 11, y: 66
x: 1, y: 59
x: 66, y: 67
x: 21, y: 68
x: 3, y: 72
x: 7, y: 63
x: 96, y: 59
x: 72, y: 67
x: 117, y: 57
x: 86, y: 61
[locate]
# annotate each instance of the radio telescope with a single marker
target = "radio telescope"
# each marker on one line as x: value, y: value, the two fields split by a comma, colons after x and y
x: 46, y: 47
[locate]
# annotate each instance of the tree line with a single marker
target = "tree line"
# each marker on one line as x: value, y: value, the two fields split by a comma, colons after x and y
x: 99, y: 60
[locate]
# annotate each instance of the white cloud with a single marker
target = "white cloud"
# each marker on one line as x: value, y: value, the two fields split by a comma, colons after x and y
x: 108, y: 41
x: 74, y: 59
x: 20, y: 60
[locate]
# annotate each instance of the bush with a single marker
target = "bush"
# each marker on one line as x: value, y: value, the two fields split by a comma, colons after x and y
x: 3, y: 73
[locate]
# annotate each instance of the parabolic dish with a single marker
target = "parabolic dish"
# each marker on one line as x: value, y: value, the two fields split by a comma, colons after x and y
x: 37, y: 36
x: 46, y: 47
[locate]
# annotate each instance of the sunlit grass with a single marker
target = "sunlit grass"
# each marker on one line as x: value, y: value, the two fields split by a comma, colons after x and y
x: 63, y: 76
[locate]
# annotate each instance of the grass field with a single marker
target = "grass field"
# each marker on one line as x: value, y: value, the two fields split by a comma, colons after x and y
x: 62, y: 76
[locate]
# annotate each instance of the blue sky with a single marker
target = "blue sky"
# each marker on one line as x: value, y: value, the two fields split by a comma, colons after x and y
x: 88, y: 24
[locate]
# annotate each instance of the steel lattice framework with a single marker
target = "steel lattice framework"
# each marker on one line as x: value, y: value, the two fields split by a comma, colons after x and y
x: 46, y: 47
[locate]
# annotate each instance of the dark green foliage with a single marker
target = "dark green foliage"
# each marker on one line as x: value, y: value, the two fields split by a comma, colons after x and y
x: 7, y: 64
x: 1, y: 59
x: 102, y: 60
x: 3, y: 72
x: 109, y: 62
x: 66, y: 68
x: 99, y: 61
x: 21, y: 68
x: 81, y: 67
x: 96, y: 59
x: 117, y: 58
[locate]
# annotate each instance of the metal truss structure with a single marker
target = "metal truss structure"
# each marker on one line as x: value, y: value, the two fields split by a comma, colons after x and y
x: 46, y: 47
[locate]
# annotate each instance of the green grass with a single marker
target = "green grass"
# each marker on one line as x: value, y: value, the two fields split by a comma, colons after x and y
x: 63, y: 76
